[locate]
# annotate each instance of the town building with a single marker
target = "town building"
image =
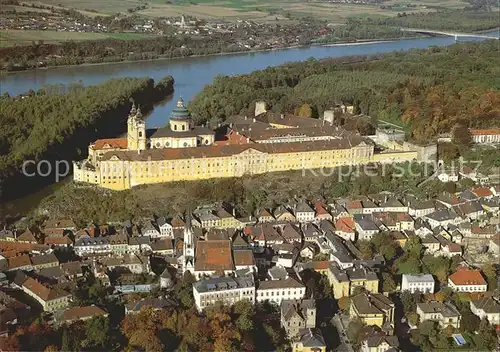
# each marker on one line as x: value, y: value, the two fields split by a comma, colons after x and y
x: 487, y: 308
x: 380, y: 343
x: 345, y: 281
x: 227, y: 290
x: 278, y: 290
x: 422, y: 283
x: 309, y: 340
x: 490, y: 136
x: 73, y: 314
x: 182, y: 151
x: 297, y: 315
x: 467, y: 280
x: 445, y: 313
x: 372, y: 309
x: 51, y: 299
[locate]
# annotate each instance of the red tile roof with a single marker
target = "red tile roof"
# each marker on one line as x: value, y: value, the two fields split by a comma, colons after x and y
x: 482, y: 192
x: 42, y: 291
x: 232, y: 138
x: 485, y: 132
x: 77, y: 313
x: 115, y: 143
x: 58, y: 240
x: 19, y: 261
x: 243, y: 257
x: 464, y: 276
x: 345, y: 225
x: 214, y: 256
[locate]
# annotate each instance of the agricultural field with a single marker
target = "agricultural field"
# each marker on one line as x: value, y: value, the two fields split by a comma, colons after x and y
x: 27, y: 37
x: 256, y: 10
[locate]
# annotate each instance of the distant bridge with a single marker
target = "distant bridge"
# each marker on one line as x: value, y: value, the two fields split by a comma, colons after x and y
x: 450, y: 34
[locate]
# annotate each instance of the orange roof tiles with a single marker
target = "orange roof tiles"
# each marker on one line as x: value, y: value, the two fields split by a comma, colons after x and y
x: 485, y: 132
x: 345, y: 225
x: 58, y: 240
x: 464, y: 276
x: 482, y: 192
x: 243, y: 257
x: 116, y: 143
x: 77, y: 313
x: 19, y: 261
x: 214, y: 255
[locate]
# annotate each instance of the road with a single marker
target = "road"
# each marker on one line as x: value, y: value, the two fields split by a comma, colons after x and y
x: 342, y: 347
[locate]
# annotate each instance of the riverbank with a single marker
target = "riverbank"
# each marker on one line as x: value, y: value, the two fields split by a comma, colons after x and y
x: 304, y: 46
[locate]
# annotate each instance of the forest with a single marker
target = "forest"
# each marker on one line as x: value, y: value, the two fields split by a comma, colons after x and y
x: 58, y: 122
x: 427, y: 91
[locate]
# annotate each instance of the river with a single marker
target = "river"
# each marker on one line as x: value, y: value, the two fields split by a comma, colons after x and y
x: 191, y: 75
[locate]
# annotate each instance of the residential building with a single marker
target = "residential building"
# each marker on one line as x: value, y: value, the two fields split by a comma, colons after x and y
x: 227, y: 290
x: 423, y: 283
x: 297, y: 315
x: 151, y: 303
x: 345, y: 281
x: 345, y: 228
x: 165, y: 227
x: 304, y: 213
x: 372, y: 309
x: 490, y: 136
x: 73, y: 314
x: 366, y: 228
x: 445, y: 313
x: 213, y: 257
x: 309, y: 340
x: 44, y: 261
x: 51, y: 299
x: 487, y: 308
x: 467, y: 280
x: 380, y: 343
x: 278, y: 290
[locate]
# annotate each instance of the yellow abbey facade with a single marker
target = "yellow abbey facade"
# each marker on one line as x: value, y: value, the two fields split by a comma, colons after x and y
x: 243, y: 146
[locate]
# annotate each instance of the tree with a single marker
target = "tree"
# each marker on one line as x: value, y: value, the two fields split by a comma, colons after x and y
x: 305, y: 111
x: 366, y: 249
x: 470, y: 321
x: 354, y: 329
x: 413, y: 247
x: 461, y: 135
x: 344, y: 303
x: 407, y: 265
x: 490, y: 271
x: 388, y: 283
x: 409, y: 301
x: 96, y: 332
x: 413, y: 318
x: 66, y: 343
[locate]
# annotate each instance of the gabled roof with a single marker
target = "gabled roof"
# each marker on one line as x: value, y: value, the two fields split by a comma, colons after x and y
x: 44, y: 259
x: 303, y: 207
x: 115, y: 143
x: 45, y: 293
x: 291, y: 232
x: 77, y: 313
x: 27, y: 236
x: 345, y: 224
x: 243, y: 257
x: 19, y: 261
x: 465, y: 276
x: 214, y: 256
x: 311, y: 338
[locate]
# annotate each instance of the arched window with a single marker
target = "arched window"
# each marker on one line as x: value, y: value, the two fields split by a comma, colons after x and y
x: 175, y: 127
x: 140, y: 134
x: 158, y: 145
x: 167, y: 144
x: 185, y: 144
x: 183, y: 127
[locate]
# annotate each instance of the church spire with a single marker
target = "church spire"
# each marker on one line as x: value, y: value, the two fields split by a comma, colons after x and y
x: 133, y: 110
x: 138, y: 113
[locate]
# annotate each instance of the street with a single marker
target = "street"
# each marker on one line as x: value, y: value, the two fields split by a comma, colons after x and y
x: 339, y: 325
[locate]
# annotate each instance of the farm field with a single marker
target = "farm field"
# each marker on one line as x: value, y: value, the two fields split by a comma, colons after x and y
x: 256, y: 10
x: 26, y: 37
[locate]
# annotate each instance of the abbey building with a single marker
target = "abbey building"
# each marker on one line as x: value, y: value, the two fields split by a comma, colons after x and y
x: 181, y: 151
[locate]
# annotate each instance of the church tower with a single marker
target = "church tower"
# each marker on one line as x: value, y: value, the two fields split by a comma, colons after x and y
x: 188, y: 246
x: 180, y: 119
x: 136, y: 130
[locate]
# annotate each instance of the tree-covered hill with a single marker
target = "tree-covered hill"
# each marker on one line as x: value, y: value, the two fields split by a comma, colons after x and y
x: 58, y: 122
x: 430, y: 90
